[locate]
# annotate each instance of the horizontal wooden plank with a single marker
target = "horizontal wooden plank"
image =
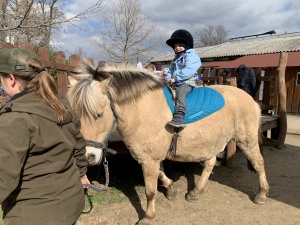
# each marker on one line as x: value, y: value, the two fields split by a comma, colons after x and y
x: 267, y: 78
x: 268, y: 122
x: 58, y: 66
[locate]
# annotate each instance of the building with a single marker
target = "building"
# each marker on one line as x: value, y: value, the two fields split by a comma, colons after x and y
x: 261, y: 52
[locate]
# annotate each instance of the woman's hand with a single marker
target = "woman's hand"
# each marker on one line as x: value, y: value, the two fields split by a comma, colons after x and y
x: 85, y: 180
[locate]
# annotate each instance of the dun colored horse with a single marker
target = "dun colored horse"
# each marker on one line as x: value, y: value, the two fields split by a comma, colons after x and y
x: 133, y: 100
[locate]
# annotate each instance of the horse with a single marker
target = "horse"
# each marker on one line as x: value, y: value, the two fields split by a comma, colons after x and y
x: 133, y: 103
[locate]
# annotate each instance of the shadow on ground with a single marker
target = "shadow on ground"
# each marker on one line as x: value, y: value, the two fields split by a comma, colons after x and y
x: 282, y: 167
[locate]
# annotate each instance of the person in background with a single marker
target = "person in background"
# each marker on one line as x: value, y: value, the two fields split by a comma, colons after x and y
x: 226, y: 74
x: 183, y: 72
x: 165, y: 72
x: 247, y: 79
x: 42, y: 152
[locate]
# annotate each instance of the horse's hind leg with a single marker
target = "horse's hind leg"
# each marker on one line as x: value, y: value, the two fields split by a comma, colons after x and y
x: 257, y: 161
x: 207, y: 169
x: 168, y: 184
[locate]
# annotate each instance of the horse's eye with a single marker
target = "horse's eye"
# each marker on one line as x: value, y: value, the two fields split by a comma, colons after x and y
x: 99, y: 115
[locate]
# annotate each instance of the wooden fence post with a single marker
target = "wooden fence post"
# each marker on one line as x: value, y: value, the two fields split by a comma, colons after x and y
x: 282, y: 100
x: 62, y: 79
x: 231, y: 81
x: 44, y: 55
x: 231, y: 146
x: 74, y: 60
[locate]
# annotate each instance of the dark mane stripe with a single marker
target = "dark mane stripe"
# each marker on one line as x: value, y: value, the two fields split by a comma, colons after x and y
x: 129, y: 85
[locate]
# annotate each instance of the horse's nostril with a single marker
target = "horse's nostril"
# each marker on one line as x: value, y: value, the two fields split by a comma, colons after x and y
x: 91, y: 158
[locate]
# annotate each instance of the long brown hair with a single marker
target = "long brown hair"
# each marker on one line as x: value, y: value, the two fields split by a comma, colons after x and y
x: 43, y: 86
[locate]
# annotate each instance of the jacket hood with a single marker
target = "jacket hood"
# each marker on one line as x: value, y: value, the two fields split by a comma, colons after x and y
x: 29, y: 103
x: 241, y: 69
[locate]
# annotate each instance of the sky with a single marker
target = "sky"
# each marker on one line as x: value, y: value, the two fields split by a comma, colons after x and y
x: 241, y: 18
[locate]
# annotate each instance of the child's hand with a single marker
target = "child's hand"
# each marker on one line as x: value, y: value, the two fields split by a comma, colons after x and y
x: 171, y: 80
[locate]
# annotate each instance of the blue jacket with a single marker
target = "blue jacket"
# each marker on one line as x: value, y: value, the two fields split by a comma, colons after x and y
x: 184, y: 68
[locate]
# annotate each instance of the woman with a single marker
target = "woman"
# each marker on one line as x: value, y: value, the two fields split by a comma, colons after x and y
x: 42, y: 152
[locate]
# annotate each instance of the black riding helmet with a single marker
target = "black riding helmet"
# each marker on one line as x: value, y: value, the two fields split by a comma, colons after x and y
x: 181, y: 36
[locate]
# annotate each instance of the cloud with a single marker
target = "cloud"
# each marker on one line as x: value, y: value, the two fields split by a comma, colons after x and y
x: 241, y: 18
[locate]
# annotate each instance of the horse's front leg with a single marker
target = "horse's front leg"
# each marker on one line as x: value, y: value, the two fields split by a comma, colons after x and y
x: 150, y: 172
x: 208, y: 167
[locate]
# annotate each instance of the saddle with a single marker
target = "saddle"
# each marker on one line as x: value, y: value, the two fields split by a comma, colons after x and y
x: 200, y: 103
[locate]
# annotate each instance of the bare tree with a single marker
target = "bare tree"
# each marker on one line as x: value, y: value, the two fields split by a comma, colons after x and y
x: 127, y: 34
x: 33, y: 21
x: 212, y: 35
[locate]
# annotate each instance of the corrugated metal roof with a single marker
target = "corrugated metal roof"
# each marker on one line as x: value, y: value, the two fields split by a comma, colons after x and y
x: 242, y: 47
x: 263, y: 60
x: 253, y: 46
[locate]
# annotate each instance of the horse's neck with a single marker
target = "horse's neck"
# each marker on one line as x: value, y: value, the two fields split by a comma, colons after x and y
x: 150, y: 108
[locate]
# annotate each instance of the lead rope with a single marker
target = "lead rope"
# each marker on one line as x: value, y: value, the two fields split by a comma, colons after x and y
x: 95, y: 188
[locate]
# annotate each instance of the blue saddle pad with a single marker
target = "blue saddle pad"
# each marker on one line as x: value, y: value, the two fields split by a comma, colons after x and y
x: 200, y: 103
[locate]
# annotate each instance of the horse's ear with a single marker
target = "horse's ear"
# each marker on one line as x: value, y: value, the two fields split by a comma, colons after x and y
x: 72, y: 81
x: 105, y: 84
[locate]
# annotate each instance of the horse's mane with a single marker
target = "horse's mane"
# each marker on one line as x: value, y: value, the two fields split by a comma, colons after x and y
x: 127, y: 85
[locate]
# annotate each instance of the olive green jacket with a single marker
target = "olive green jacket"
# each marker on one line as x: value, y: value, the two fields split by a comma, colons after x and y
x: 41, y: 162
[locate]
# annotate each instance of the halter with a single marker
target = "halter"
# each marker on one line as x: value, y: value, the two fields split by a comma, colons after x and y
x: 103, y: 145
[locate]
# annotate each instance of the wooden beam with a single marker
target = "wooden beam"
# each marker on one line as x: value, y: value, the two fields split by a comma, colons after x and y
x: 58, y: 66
x: 268, y: 125
x: 62, y: 80
x: 282, y: 99
x: 231, y: 146
x: 231, y: 154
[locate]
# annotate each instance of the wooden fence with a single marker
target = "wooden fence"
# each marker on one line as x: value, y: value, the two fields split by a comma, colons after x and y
x: 270, y: 90
x: 63, y: 66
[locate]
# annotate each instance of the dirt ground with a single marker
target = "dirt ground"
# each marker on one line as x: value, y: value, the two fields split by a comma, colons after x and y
x: 227, y: 199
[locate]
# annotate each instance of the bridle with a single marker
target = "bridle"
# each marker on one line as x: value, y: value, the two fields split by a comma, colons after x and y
x: 103, y: 145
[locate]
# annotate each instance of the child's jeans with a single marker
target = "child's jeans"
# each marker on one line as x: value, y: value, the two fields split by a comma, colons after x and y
x: 181, y: 92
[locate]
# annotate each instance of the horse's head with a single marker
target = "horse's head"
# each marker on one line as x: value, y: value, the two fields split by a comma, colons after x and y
x: 90, y: 100
x: 95, y: 95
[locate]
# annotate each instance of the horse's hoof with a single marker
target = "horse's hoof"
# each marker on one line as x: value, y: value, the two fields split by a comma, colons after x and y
x: 171, y: 194
x: 144, y: 221
x: 260, y: 200
x: 191, y: 196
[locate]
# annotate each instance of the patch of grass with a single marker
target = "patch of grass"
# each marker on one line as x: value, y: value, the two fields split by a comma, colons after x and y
x: 125, y: 181
x: 1, y: 220
x: 116, y: 195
